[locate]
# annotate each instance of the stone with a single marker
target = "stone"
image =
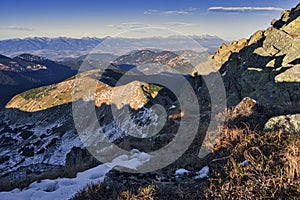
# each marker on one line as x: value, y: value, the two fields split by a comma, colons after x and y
x: 293, y: 28
x: 290, y: 75
x: 287, y: 123
x: 292, y: 53
x: 244, y: 108
x: 258, y: 35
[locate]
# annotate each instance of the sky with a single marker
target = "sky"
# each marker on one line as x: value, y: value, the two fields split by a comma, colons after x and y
x: 228, y: 19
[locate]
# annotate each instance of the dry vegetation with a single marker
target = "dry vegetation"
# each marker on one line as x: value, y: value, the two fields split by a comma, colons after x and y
x: 272, y: 172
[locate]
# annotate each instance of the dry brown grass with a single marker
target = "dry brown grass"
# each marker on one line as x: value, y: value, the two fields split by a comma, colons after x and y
x: 102, y: 191
x: 143, y: 193
x: 292, y: 160
x: 272, y: 172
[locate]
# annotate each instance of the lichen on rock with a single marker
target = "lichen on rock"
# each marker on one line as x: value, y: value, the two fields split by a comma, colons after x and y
x: 287, y: 123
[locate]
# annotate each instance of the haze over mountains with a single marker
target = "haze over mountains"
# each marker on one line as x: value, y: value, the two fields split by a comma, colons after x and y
x: 62, y: 47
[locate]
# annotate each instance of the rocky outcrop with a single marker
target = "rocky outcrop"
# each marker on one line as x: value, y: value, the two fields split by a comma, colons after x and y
x: 286, y: 123
x: 223, y: 53
x: 264, y: 67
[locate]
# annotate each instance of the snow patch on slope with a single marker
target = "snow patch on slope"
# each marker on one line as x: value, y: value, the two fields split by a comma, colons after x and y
x: 65, y: 188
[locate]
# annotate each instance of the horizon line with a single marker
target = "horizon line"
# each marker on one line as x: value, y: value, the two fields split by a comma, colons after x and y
x: 104, y: 37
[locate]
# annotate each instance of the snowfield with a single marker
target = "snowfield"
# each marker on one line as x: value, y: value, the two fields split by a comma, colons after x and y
x: 57, y: 189
x: 65, y: 188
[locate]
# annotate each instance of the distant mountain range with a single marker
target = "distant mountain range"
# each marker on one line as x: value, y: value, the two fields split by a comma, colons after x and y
x: 61, y: 48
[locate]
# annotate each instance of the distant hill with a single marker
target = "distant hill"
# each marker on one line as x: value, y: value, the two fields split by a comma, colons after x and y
x: 61, y: 48
x: 184, y: 61
x: 94, y: 60
x: 27, y: 71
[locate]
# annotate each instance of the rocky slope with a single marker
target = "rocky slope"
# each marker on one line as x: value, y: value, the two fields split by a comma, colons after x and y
x: 264, y: 67
x: 45, y: 143
x: 38, y: 135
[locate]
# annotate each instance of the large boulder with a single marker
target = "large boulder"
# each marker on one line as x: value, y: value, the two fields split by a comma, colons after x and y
x: 287, y: 123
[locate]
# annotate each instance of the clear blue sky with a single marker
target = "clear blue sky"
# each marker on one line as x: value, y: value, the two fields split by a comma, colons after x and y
x: 96, y: 18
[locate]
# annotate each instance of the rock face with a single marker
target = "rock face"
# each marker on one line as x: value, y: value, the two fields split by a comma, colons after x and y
x: 287, y: 123
x: 264, y: 67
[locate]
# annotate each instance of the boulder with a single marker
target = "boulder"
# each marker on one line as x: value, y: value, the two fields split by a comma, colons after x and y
x: 287, y: 123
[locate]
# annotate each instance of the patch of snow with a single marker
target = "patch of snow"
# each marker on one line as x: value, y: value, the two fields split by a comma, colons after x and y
x: 132, y: 161
x: 244, y: 163
x: 172, y: 107
x: 65, y: 188
x: 224, y: 73
x: 181, y: 171
x: 61, y: 188
x: 125, y: 126
x: 54, y: 155
x: 202, y: 173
